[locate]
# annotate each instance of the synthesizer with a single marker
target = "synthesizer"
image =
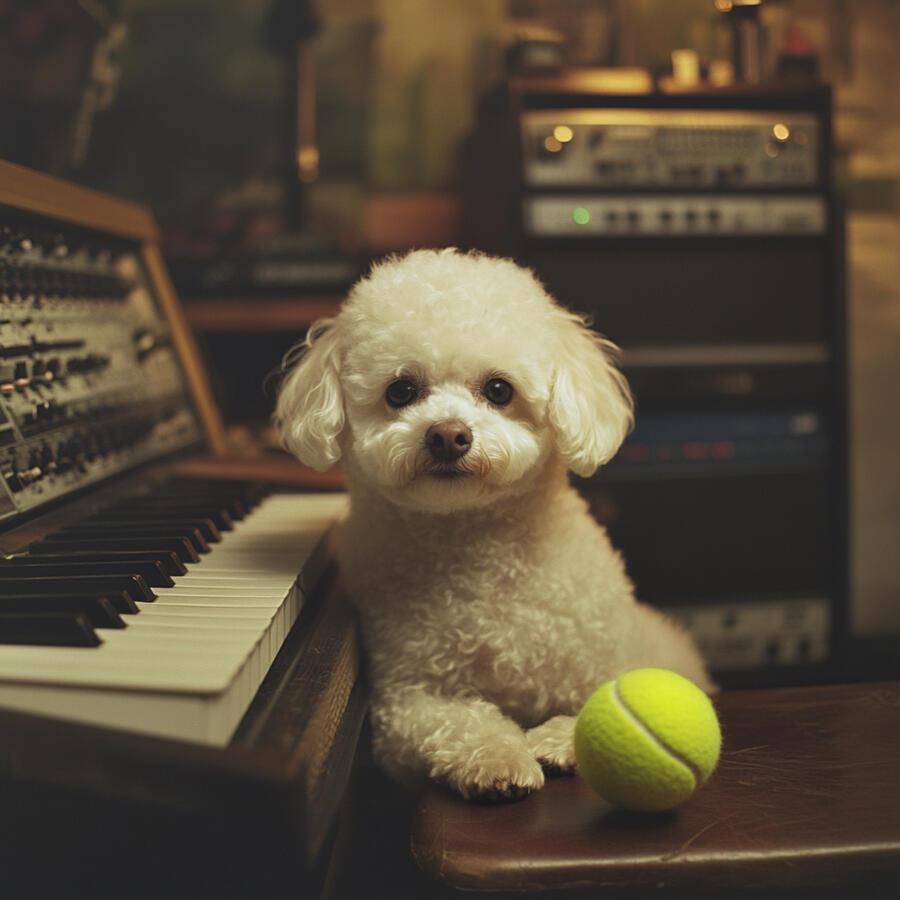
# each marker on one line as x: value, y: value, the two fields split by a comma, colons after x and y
x: 91, y: 383
x: 178, y: 663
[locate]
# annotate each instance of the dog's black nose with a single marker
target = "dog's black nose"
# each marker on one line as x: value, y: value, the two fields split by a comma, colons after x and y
x: 448, y: 440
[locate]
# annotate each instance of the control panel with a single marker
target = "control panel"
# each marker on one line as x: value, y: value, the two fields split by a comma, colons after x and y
x: 755, y: 632
x: 90, y: 384
x: 654, y: 215
x: 694, y: 149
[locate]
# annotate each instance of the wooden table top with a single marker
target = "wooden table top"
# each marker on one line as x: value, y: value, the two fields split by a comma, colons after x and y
x: 806, y: 799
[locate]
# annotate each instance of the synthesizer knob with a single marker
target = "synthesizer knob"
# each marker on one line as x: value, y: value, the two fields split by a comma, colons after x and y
x: 7, y: 378
x: 58, y: 247
x: 34, y: 472
x: 63, y: 462
x: 21, y: 375
x: 45, y: 411
x: 48, y: 461
x: 14, y: 481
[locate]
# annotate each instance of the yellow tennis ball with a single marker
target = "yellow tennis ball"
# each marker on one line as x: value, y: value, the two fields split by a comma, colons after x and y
x: 647, y: 739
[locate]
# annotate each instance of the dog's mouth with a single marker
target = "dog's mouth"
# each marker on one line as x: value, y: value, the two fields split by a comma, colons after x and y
x: 468, y: 466
x: 447, y: 473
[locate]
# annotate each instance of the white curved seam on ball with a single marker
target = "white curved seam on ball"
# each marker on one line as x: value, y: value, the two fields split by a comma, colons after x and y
x: 662, y: 745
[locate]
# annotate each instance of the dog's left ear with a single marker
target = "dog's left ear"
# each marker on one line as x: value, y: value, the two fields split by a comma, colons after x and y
x: 309, y: 414
x: 591, y: 409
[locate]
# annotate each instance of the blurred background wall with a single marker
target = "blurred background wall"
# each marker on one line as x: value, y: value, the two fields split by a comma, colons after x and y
x: 180, y: 104
x: 127, y: 89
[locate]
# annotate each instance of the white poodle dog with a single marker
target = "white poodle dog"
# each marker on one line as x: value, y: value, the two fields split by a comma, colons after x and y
x: 457, y: 394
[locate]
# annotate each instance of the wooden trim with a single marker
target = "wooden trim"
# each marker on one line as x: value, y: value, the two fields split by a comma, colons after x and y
x: 274, y: 468
x: 400, y: 222
x: 260, y: 314
x: 187, y: 349
x: 59, y: 200
x: 48, y: 196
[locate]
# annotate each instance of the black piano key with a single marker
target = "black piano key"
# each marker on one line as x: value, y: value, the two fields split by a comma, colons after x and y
x: 188, y: 507
x: 121, y: 601
x: 182, y: 548
x: 104, y: 585
x: 99, y: 611
x: 48, y: 629
x: 168, y: 561
x: 206, y: 527
x: 198, y: 542
x: 41, y: 565
x: 247, y: 494
x: 219, y: 517
x: 254, y: 490
x: 233, y: 509
x: 173, y: 492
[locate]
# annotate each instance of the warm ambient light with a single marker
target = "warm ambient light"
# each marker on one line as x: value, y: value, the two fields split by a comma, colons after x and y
x: 781, y: 132
x: 563, y: 134
x: 552, y: 144
x: 308, y: 162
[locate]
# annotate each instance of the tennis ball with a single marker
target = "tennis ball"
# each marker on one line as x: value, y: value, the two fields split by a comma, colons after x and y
x: 647, y: 739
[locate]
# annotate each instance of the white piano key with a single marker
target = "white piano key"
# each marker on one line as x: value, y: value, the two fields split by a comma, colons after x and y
x: 217, y: 599
x: 188, y: 663
x: 213, y: 614
x: 185, y: 592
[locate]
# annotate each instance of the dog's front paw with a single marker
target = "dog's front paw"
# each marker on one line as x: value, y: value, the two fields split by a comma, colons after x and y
x: 497, y: 774
x: 552, y: 744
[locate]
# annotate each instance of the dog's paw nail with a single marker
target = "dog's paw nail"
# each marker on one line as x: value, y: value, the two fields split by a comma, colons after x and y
x: 503, y: 791
x: 556, y: 766
x: 505, y: 783
x: 552, y: 745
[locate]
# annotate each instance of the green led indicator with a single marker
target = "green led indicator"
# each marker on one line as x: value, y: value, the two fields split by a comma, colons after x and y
x: 581, y: 215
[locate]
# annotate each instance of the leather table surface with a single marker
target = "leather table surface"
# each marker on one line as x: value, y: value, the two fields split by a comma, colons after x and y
x: 806, y: 799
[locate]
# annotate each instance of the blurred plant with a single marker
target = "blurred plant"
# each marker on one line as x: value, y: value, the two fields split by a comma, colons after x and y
x: 31, y: 24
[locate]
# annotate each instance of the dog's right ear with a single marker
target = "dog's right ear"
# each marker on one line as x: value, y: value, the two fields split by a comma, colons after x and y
x: 591, y: 409
x: 309, y: 414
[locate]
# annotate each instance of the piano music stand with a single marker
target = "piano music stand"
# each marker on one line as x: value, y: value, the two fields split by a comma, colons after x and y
x: 805, y: 803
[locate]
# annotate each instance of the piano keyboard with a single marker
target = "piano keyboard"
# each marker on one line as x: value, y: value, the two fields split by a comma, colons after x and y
x: 161, y: 615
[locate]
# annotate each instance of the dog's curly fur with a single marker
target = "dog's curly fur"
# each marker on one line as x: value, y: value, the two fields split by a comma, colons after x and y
x: 492, y: 602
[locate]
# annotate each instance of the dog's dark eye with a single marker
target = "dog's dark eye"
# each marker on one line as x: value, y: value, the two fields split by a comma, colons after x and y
x: 401, y: 393
x: 498, y: 391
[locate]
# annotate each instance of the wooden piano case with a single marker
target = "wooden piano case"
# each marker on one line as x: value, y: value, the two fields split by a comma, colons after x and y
x: 88, y: 811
